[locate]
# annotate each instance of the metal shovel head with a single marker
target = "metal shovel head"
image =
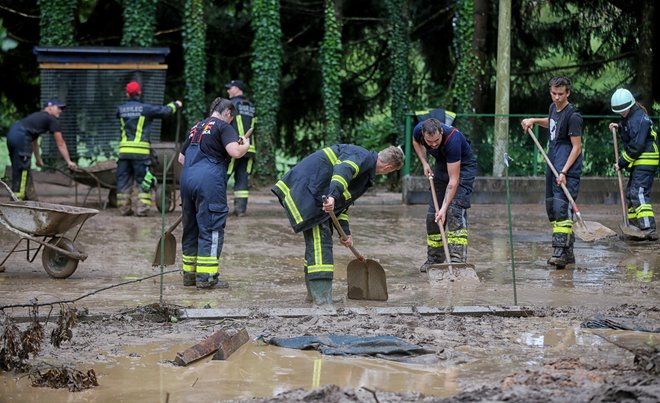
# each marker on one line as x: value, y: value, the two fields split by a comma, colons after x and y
x: 595, y: 231
x: 631, y: 231
x: 169, y: 248
x: 366, y: 280
x: 463, y: 272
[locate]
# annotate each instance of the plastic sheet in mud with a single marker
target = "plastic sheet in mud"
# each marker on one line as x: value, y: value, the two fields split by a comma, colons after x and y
x: 388, y: 347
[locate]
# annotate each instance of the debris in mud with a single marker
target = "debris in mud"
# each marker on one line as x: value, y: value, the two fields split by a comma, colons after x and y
x: 16, y: 346
x: 333, y: 393
x: 66, y: 320
x: 155, y: 312
x: 58, y: 378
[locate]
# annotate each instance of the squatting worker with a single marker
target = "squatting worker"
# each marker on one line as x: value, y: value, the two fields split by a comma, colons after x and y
x: 22, y: 141
x: 453, y: 179
x: 135, y: 120
x: 204, y: 156
x: 640, y: 157
x: 565, y: 153
x: 241, y: 167
x: 342, y: 172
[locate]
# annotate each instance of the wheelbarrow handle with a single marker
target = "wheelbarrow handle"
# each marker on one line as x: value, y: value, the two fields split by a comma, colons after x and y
x: 13, y: 195
x: 342, y: 234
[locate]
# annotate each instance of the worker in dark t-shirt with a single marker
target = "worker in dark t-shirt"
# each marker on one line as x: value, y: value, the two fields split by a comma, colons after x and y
x: 22, y: 141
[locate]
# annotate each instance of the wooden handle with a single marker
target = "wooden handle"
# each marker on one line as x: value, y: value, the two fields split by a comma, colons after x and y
x: 620, y: 176
x: 175, y: 224
x: 441, y: 226
x: 342, y: 234
x: 563, y: 187
x: 247, y: 135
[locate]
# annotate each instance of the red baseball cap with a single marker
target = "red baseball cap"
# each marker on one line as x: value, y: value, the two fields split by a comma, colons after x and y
x: 133, y: 88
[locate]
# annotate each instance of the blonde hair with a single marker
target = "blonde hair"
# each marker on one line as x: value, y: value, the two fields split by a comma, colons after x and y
x: 393, y: 156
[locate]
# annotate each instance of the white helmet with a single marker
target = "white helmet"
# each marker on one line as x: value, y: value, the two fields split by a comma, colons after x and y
x: 622, y: 100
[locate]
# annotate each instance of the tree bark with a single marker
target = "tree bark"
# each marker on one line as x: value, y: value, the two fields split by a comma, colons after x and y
x: 501, y: 141
x: 480, y: 51
x: 644, y: 81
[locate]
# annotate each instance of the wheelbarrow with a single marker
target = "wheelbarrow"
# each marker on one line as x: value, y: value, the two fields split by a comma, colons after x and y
x: 102, y: 175
x: 46, y: 224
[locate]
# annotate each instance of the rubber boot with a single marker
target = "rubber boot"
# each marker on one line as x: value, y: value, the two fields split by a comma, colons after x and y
x: 308, y: 297
x: 189, y: 278
x: 240, y: 206
x: 321, y: 291
x: 205, y: 280
x: 559, y: 258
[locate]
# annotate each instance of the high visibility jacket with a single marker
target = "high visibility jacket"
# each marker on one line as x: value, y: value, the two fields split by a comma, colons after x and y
x: 135, y: 119
x: 244, y: 120
x: 640, y: 141
x: 343, y: 171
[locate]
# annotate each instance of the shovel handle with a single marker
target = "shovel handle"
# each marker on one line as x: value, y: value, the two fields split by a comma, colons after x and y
x: 247, y: 135
x: 618, y: 173
x: 574, y: 206
x: 174, y: 225
x: 441, y: 226
x: 342, y: 234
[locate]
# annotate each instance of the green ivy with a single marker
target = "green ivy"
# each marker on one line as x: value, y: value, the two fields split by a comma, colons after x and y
x: 139, y: 23
x: 194, y: 70
x: 57, y: 22
x: 331, y: 69
x: 400, y: 85
x: 465, y: 83
x: 267, y: 69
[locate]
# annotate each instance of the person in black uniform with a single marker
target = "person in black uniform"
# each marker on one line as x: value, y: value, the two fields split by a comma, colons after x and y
x: 640, y: 157
x: 204, y: 156
x: 241, y: 167
x: 453, y: 178
x: 22, y: 142
x: 135, y: 119
x: 565, y: 153
x: 343, y: 173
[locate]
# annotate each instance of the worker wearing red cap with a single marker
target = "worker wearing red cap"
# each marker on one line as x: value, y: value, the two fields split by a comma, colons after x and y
x: 135, y: 119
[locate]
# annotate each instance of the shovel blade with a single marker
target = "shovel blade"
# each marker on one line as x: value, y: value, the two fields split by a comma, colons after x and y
x: 170, y: 250
x: 631, y: 231
x: 366, y: 280
x: 595, y: 231
x: 463, y: 272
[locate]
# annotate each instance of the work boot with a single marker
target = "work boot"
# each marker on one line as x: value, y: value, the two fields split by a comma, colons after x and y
x: 240, y: 206
x: 308, y: 297
x: 189, y: 278
x: 205, y: 280
x: 561, y: 257
x: 321, y: 291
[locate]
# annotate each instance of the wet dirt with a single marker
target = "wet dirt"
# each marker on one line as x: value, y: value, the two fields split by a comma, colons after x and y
x: 545, y: 356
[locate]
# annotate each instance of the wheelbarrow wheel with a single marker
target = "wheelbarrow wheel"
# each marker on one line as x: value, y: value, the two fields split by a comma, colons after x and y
x: 57, y: 264
x: 169, y: 200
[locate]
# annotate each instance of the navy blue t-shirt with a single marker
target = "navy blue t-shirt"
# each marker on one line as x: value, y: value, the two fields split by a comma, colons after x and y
x: 40, y: 122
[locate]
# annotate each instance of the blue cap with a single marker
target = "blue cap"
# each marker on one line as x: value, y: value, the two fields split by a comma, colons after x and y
x: 55, y: 102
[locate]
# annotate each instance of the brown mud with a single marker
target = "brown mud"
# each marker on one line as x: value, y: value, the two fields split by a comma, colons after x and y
x: 129, y: 342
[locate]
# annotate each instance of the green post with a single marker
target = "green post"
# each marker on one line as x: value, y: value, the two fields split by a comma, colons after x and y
x: 408, y: 143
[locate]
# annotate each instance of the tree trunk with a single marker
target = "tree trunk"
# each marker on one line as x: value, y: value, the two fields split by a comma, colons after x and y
x: 644, y: 81
x: 501, y: 141
x: 480, y: 51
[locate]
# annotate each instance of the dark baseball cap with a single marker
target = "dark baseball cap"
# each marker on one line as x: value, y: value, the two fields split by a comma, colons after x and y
x: 55, y: 102
x: 235, y: 83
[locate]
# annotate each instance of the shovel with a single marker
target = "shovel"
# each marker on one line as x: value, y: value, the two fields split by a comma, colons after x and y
x: 457, y: 271
x: 626, y: 228
x: 169, y: 243
x: 365, y: 277
x: 588, y: 231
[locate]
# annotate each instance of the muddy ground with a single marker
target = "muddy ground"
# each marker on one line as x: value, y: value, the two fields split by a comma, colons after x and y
x: 543, y: 355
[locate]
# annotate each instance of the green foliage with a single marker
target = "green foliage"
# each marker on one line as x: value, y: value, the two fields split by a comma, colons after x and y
x: 267, y: 68
x: 139, y: 23
x: 194, y: 37
x: 465, y: 84
x: 57, y: 22
x: 398, y: 46
x: 6, y: 43
x: 331, y: 68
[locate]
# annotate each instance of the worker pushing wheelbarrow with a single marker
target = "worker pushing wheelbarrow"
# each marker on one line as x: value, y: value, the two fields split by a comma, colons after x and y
x: 46, y: 224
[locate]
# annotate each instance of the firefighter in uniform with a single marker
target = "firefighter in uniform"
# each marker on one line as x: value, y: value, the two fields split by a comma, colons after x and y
x: 135, y: 119
x: 453, y: 177
x: 565, y: 153
x: 640, y: 157
x: 342, y: 172
x: 241, y: 167
x: 22, y: 141
x: 204, y: 156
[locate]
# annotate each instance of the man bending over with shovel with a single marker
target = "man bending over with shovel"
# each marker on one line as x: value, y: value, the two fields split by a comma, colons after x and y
x: 453, y: 178
x: 343, y: 173
x: 565, y: 154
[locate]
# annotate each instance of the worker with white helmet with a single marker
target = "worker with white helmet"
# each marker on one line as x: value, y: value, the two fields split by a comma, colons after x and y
x: 640, y: 157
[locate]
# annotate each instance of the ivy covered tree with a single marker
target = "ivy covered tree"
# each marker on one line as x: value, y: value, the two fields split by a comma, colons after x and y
x: 194, y: 70
x: 57, y: 22
x: 331, y: 68
x: 399, y: 51
x: 267, y: 68
x: 139, y: 23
